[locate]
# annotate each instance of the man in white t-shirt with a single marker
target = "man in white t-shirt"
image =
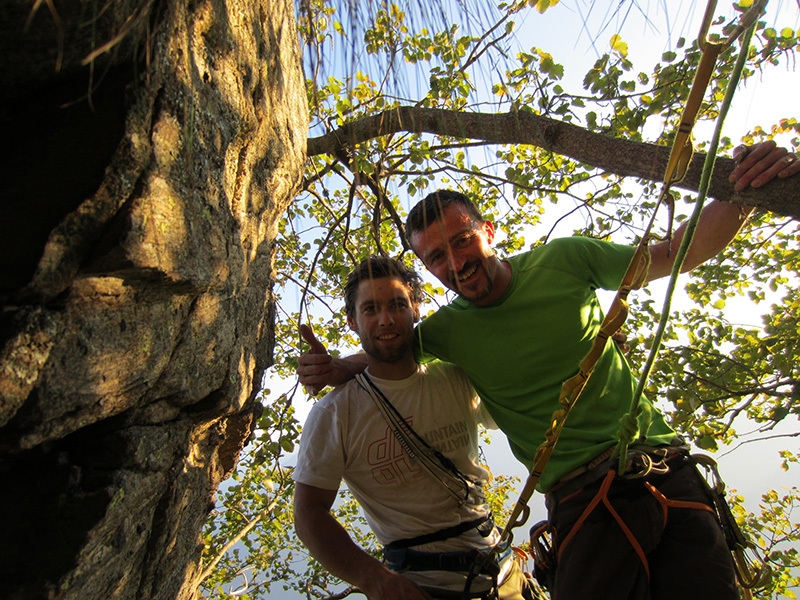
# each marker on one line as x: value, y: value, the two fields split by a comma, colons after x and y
x: 423, y: 521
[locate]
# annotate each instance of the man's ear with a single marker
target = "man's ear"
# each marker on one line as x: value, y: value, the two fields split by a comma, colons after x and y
x: 488, y: 228
x: 415, y: 308
x: 351, y: 323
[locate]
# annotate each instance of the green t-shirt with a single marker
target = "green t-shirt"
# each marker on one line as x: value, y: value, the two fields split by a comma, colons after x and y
x: 520, y: 350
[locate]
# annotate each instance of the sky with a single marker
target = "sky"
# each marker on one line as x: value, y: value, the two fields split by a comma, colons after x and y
x: 750, y: 468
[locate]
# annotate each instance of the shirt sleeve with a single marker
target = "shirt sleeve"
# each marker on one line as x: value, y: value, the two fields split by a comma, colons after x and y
x: 321, y: 457
x: 466, y: 391
x: 603, y: 263
x: 484, y: 418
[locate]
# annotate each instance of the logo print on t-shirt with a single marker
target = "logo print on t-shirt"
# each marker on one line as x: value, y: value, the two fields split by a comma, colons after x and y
x: 390, y: 465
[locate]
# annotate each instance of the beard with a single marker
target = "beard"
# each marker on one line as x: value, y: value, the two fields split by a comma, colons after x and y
x: 387, y: 353
x: 477, y: 289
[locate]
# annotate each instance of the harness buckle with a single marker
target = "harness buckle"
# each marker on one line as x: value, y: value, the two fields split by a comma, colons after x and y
x: 643, y: 463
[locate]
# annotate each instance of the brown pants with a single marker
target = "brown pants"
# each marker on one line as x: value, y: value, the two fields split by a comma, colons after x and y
x: 686, y: 554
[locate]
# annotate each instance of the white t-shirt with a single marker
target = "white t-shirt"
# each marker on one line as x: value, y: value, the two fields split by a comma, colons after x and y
x: 347, y: 437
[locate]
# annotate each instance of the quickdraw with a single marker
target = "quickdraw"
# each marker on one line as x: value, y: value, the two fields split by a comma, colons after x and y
x: 752, y: 573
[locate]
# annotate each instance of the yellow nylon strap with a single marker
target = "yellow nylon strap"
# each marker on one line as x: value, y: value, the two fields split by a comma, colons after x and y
x: 571, y: 389
x: 681, y: 154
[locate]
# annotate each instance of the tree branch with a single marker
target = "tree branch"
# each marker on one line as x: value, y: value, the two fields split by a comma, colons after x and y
x: 623, y: 157
x: 235, y: 540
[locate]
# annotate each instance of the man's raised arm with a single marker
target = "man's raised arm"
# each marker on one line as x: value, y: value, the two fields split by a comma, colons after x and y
x: 721, y: 221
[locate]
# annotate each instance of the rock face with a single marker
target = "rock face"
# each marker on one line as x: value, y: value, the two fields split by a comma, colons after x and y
x: 150, y: 150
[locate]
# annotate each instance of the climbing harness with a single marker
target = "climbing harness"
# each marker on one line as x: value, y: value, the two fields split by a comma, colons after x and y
x: 641, y: 463
x: 484, y: 525
x: 467, y: 575
x: 751, y: 572
x: 637, y: 420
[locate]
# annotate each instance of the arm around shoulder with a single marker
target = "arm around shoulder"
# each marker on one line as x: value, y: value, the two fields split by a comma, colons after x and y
x: 316, y: 371
x: 720, y: 221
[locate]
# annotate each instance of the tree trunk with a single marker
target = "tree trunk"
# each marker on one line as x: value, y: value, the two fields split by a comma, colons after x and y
x: 150, y: 149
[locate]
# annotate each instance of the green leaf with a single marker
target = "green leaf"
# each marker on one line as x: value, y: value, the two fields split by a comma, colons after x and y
x: 707, y: 442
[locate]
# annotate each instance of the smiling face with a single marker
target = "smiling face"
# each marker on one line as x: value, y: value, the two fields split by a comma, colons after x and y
x: 384, y: 317
x: 457, y: 251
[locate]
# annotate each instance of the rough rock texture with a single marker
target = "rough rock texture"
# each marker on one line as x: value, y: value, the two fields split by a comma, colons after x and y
x: 149, y: 149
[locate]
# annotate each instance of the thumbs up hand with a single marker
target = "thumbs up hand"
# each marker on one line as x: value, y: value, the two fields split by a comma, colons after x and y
x: 315, y: 365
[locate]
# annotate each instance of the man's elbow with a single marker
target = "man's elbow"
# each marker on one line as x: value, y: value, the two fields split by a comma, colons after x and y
x: 301, y: 523
x: 300, y: 515
x: 309, y: 510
